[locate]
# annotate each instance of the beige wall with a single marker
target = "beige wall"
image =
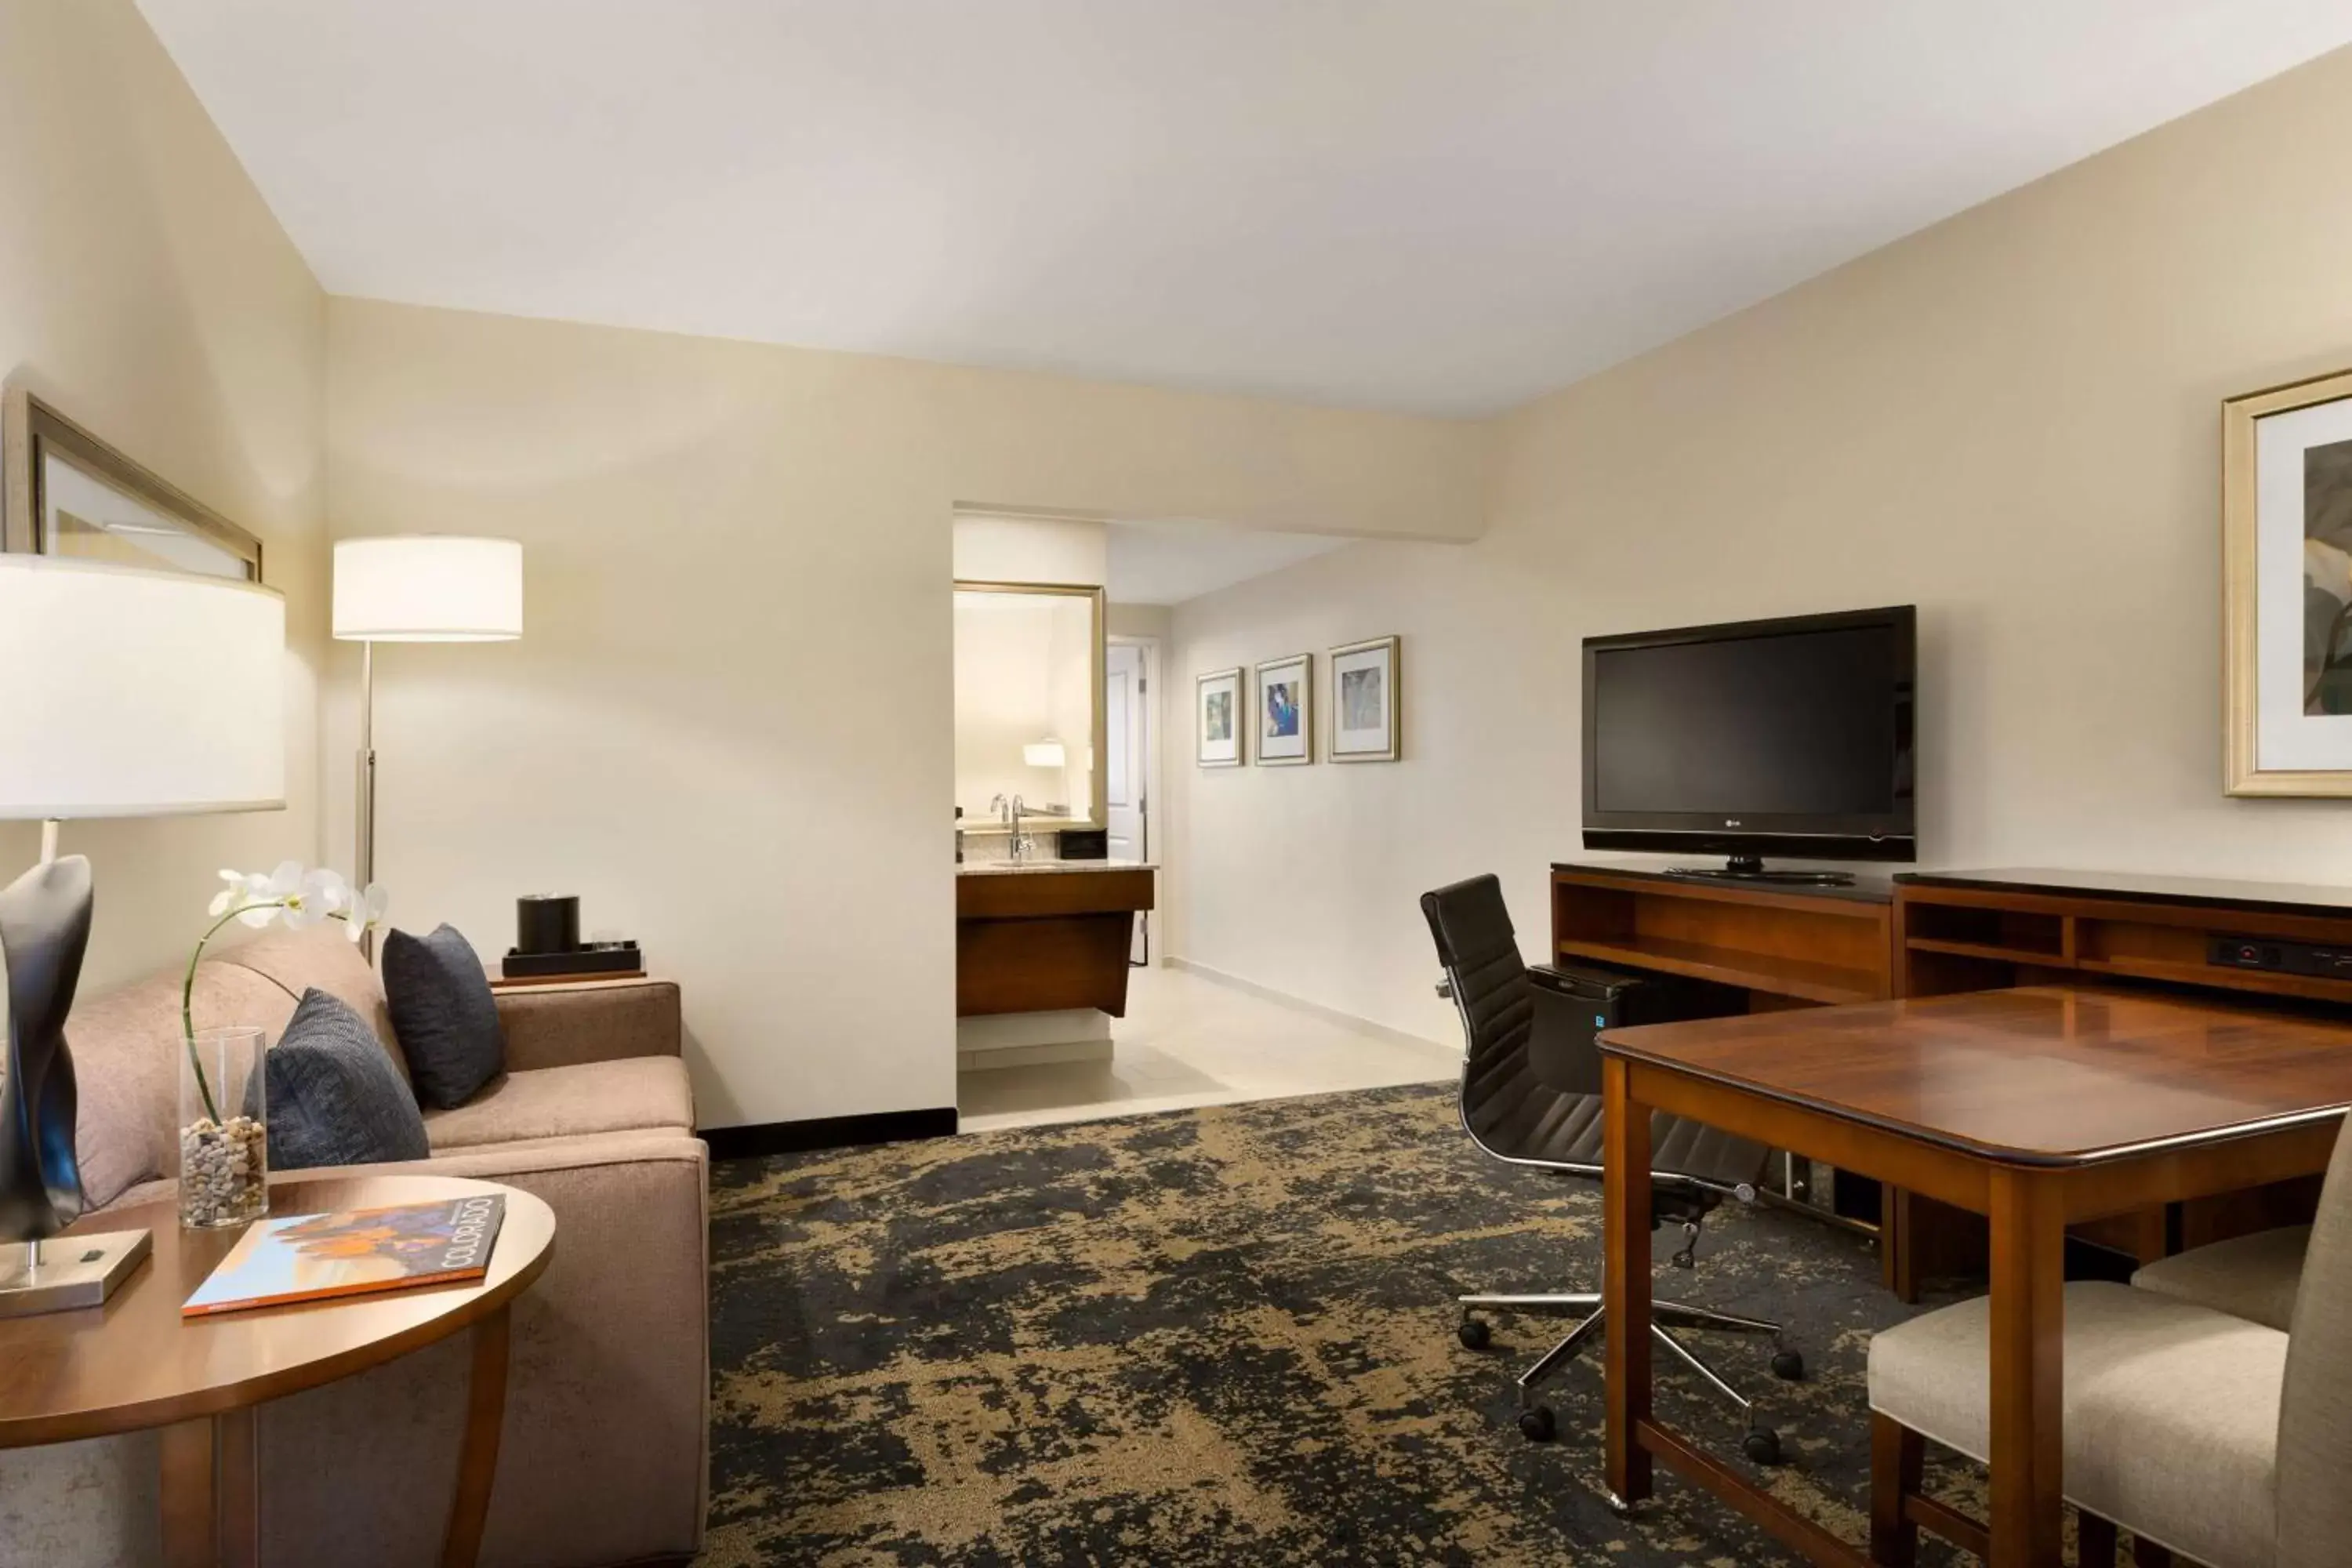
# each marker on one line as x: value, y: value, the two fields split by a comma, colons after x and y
x: 729, y: 726
x: 149, y: 294
x: 2009, y: 419
x: 1065, y: 552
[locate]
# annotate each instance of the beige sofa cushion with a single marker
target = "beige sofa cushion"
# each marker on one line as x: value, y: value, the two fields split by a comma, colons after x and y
x: 326, y: 958
x: 2172, y: 1412
x: 636, y: 1094
x: 2252, y: 1277
x: 126, y: 1050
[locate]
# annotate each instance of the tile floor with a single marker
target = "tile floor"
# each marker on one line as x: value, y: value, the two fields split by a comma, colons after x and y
x: 1187, y: 1041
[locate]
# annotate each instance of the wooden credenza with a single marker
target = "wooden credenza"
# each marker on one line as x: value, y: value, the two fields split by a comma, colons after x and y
x: 1934, y: 933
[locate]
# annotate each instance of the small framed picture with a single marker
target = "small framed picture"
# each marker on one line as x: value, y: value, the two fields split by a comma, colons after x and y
x: 1218, y: 725
x: 1286, y: 711
x: 1364, y: 701
x: 2286, y: 584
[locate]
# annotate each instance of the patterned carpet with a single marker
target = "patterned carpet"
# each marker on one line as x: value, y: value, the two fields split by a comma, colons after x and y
x: 1222, y: 1336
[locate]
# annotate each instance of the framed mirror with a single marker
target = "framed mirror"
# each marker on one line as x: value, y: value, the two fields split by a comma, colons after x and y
x: 1029, y: 709
x: 63, y: 491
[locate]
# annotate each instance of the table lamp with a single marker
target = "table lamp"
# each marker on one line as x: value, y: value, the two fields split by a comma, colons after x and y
x: 131, y: 693
x: 417, y: 588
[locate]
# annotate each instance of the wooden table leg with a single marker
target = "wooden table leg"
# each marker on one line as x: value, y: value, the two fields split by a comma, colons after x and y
x: 1898, y: 1259
x: 2095, y: 1541
x: 191, y: 1517
x: 1625, y: 1278
x: 1898, y: 1456
x: 477, y: 1461
x: 2028, y: 1309
x: 238, y: 1458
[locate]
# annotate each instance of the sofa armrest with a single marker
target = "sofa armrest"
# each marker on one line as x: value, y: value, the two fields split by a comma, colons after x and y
x: 590, y: 1021
x: 604, y: 1455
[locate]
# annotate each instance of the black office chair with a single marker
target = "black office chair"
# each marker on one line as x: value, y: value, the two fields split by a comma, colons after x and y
x: 1531, y: 1096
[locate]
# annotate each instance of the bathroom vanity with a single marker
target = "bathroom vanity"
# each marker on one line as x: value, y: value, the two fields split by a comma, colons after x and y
x: 1046, y: 936
x: 1042, y: 943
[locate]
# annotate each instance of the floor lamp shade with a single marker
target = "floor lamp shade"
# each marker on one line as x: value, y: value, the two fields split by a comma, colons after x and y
x: 417, y: 588
x: 136, y: 693
x: 428, y: 588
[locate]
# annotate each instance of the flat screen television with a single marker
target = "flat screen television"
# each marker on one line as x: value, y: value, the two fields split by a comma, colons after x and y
x: 1790, y: 736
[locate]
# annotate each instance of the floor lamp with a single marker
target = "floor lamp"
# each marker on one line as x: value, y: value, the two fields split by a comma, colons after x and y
x: 416, y: 587
x: 132, y: 693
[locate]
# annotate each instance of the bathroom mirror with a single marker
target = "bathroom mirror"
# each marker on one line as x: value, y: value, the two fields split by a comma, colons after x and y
x: 1029, y: 704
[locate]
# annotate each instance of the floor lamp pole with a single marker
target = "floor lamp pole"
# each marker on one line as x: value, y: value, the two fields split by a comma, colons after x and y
x: 364, y: 849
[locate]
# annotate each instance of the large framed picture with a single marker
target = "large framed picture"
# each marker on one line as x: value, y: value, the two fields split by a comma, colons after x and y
x: 1217, y: 722
x: 1286, y: 711
x: 1364, y: 701
x: 2287, y: 584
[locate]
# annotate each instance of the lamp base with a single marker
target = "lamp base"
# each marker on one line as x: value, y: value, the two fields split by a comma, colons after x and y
x: 73, y: 1272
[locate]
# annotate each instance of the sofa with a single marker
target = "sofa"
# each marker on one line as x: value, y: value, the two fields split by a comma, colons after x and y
x: 604, y: 1458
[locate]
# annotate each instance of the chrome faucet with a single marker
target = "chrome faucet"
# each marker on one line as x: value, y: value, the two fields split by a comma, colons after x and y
x: 1010, y: 812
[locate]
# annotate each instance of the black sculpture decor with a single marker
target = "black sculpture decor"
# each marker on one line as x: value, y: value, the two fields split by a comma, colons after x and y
x: 44, y: 928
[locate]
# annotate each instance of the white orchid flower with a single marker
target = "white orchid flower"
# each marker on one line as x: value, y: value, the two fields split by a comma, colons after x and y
x: 231, y: 895
x: 366, y: 912
x: 318, y: 895
x: 303, y: 898
x: 265, y: 896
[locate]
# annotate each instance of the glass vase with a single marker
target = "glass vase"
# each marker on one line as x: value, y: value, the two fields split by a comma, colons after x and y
x: 223, y: 1129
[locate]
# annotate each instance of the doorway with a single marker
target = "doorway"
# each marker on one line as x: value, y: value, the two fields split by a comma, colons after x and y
x: 1131, y: 768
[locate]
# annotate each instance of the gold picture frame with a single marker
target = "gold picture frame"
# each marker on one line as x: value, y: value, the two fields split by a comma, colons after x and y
x: 2288, y: 722
x: 1218, y: 728
x: 64, y: 492
x: 1377, y: 663
x: 1282, y: 704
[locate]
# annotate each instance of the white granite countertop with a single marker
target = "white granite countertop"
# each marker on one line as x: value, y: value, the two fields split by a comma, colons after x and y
x: 1042, y: 865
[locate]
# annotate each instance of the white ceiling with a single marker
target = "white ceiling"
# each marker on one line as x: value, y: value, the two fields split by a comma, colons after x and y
x: 1169, y: 563
x: 1448, y: 206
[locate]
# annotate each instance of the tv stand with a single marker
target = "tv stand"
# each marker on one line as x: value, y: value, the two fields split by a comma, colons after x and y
x: 1751, y: 869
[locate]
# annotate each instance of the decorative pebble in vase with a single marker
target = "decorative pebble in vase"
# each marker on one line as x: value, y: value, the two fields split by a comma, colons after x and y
x: 223, y: 1129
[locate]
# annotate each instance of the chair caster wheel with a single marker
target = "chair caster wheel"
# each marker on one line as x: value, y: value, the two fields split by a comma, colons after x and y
x: 1474, y: 1334
x: 1789, y: 1366
x: 1536, y: 1424
x: 1762, y: 1446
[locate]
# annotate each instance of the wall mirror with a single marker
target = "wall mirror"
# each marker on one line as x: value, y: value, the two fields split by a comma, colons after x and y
x: 63, y: 491
x: 1029, y: 705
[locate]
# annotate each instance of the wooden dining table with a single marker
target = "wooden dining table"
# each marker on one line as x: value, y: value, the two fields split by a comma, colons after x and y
x: 2038, y: 1108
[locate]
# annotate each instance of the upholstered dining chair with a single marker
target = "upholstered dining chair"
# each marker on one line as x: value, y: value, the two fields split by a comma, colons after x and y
x: 2210, y: 1436
x: 1531, y: 1096
x: 2255, y: 1277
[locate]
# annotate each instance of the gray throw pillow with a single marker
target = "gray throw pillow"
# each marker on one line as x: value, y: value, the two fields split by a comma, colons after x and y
x: 335, y: 1099
x: 443, y: 1014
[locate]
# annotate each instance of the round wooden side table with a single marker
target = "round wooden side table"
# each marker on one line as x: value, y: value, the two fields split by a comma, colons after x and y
x: 135, y: 1364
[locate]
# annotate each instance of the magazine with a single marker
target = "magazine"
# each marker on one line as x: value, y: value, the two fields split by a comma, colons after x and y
x: 320, y: 1256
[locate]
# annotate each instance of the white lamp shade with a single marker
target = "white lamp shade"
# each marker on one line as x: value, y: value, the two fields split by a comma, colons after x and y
x: 428, y: 588
x: 1043, y: 754
x: 134, y: 693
